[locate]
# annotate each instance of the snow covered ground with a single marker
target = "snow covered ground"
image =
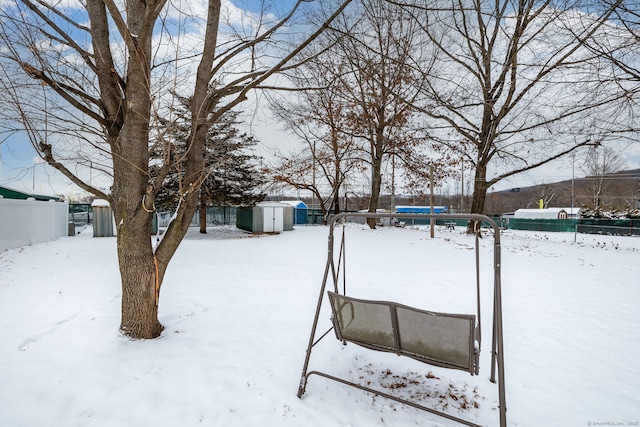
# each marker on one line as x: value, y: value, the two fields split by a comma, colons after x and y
x: 238, y: 312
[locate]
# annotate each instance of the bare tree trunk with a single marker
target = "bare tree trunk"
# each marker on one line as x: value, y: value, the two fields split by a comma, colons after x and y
x: 597, y: 191
x: 140, y: 287
x: 337, y: 184
x: 376, y: 185
x: 133, y: 198
x: 141, y: 276
x: 203, y: 215
x: 480, y: 189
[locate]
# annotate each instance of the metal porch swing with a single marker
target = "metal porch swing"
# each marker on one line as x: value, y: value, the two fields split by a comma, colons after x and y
x: 440, y: 339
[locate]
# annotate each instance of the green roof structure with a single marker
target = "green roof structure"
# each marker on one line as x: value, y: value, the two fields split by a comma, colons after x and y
x: 9, y: 193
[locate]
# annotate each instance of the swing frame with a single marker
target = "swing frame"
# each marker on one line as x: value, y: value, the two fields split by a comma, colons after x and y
x: 497, y: 345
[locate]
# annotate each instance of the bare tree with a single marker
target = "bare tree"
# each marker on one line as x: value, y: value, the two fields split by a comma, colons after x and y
x: 546, y: 193
x: 516, y: 87
x: 307, y: 171
x: 355, y: 105
x: 621, y: 46
x: 599, y: 164
x: 380, y: 84
x: 318, y: 118
x: 113, y: 67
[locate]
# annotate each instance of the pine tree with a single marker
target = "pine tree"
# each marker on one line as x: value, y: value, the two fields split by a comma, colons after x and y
x: 231, y: 177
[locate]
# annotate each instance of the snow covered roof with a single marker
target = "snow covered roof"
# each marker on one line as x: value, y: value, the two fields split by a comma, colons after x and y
x: 298, y: 204
x: 273, y: 204
x: 547, y: 213
x: 100, y: 203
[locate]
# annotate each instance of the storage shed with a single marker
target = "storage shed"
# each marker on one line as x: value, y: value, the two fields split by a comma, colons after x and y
x: 547, y: 213
x: 103, y: 222
x: 300, y: 210
x: 266, y: 217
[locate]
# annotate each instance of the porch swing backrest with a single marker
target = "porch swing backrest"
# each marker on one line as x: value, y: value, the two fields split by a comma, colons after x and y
x: 440, y: 339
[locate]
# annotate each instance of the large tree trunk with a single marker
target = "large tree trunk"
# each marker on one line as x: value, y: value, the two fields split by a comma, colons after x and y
x: 376, y: 185
x: 480, y: 188
x: 141, y: 274
x: 479, y: 198
x: 141, y: 281
x: 133, y: 194
x: 202, y: 215
x: 337, y: 182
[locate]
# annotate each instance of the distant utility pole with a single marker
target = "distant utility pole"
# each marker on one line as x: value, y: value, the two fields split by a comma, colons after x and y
x: 462, y: 187
x: 313, y: 158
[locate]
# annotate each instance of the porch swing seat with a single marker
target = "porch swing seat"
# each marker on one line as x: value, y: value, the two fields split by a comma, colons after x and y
x: 440, y: 339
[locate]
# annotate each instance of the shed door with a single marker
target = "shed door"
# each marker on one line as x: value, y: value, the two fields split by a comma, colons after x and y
x: 273, y: 219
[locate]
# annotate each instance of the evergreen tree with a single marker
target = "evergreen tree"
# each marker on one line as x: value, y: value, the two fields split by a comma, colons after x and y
x: 231, y: 177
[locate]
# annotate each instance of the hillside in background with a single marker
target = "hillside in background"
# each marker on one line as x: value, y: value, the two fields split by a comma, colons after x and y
x: 619, y: 190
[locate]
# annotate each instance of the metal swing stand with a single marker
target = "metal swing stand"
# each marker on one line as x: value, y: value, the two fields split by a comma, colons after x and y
x: 397, y: 331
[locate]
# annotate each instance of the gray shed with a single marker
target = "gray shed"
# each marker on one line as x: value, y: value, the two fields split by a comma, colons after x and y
x: 266, y: 217
x: 102, y: 219
x: 300, y: 210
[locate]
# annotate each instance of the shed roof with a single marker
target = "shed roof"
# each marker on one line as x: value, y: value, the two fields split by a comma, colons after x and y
x: 100, y: 203
x: 10, y: 193
x: 298, y: 204
x: 272, y: 204
x: 549, y: 213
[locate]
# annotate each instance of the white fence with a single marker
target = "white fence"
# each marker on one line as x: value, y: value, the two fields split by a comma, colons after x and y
x: 27, y: 222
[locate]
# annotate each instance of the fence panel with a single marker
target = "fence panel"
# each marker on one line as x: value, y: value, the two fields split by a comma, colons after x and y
x: 623, y: 227
x: 215, y: 216
x: 28, y: 222
x: 553, y: 225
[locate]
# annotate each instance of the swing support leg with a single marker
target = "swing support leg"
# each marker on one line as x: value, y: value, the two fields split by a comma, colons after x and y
x: 329, y: 267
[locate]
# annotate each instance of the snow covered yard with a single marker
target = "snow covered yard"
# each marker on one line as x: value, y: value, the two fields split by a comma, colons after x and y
x: 238, y: 311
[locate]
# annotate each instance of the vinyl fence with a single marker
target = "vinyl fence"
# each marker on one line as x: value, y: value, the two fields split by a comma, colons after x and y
x: 215, y: 216
x: 27, y: 222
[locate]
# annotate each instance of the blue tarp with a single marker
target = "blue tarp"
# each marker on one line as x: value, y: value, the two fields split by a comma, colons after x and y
x: 421, y: 209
